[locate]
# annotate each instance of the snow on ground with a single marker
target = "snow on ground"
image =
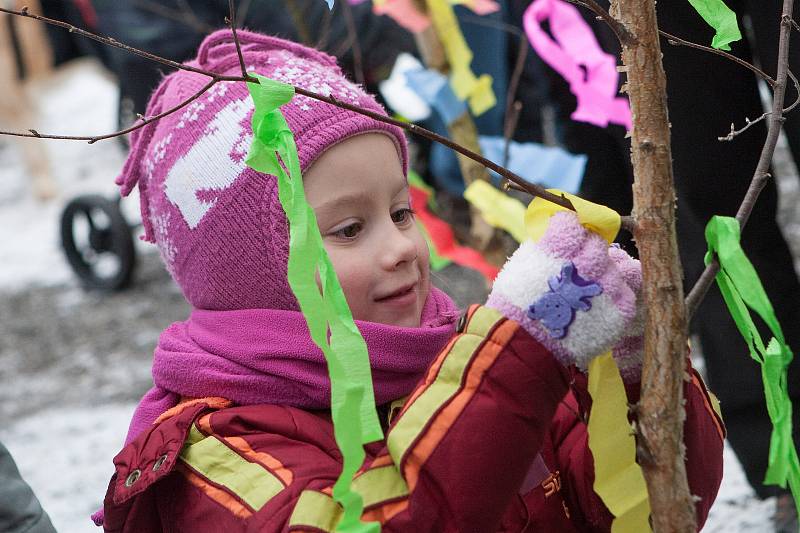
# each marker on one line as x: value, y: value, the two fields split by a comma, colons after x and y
x: 80, y: 100
x: 65, y: 454
x: 65, y: 450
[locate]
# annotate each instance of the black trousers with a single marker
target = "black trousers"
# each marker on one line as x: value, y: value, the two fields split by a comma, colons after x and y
x: 705, y: 94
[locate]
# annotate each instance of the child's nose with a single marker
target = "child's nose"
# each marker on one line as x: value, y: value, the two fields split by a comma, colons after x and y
x: 399, y: 249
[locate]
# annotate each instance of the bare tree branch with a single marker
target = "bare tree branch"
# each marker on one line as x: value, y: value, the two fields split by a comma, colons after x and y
x: 674, y: 40
x: 748, y: 123
x: 677, y: 41
x: 761, y: 174
x: 187, y: 10
x: 143, y: 121
x: 624, y: 35
x: 232, y: 24
x: 299, y: 17
x: 513, y: 106
x: 350, y: 23
x: 110, y: 41
x: 532, y: 189
x: 189, y: 18
x: 512, y: 118
x: 795, y: 25
x: 325, y: 33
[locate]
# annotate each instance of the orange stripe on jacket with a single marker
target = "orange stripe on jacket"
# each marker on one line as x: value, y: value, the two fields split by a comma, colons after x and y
x: 381, y: 460
x: 430, y: 376
x: 204, y: 424
x: 386, y: 511
x: 441, y: 422
x: 263, y: 458
x: 433, y: 371
x: 214, y: 402
x: 697, y: 383
x: 218, y: 495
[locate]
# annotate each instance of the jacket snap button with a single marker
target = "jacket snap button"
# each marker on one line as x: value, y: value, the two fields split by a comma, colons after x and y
x: 160, y: 461
x: 462, y: 323
x: 133, y: 477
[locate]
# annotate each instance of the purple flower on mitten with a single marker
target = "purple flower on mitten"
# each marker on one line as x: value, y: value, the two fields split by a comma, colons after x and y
x: 568, y: 293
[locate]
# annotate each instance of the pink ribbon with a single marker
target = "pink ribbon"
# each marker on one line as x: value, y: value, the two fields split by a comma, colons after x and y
x: 576, y: 55
x: 407, y: 14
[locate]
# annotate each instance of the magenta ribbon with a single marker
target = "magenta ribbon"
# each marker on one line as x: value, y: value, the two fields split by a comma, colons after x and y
x: 577, y: 56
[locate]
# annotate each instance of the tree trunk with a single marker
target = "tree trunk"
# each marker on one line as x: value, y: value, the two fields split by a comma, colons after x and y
x: 660, y: 410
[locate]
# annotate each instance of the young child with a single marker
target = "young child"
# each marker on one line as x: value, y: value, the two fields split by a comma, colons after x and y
x: 485, y: 416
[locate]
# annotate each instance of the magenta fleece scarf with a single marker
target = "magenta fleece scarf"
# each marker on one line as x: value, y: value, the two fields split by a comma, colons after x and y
x: 255, y: 356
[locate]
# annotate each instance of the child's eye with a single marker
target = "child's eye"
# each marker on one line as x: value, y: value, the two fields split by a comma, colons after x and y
x: 348, y: 232
x: 402, y: 216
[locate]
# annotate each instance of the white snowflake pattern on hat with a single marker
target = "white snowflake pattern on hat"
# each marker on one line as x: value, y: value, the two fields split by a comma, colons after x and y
x: 315, y: 77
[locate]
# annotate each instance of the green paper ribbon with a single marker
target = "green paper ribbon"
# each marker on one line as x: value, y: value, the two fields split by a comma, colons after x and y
x: 324, y: 306
x: 741, y: 288
x: 722, y: 19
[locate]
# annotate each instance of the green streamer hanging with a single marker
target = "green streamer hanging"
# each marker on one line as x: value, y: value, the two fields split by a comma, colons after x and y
x: 742, y: 289
x: 355, y: 420
x: 722, y: 19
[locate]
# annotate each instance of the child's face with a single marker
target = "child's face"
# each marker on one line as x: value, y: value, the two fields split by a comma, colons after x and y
x: 361, y: 200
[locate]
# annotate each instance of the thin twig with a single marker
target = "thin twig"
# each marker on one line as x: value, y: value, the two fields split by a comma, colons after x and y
x: 795, y: 25
x: 298, y: 17
x: 143, y: 122
x: 244, y: 7
x: 325, y: 32
x: 532, y: 189
x: 187, y: 18
x: 748, y: 123
x: 189, y: 12
x: 110, y: 41
x: 627, y: 222
x: 512, y: 119
x: 796, y: 90
x: 761, y: 174
x: 618, y: 28
x: 232, y: 24
x: 343, y: 47
x: 677, y: 41
x: 350, y: 23
x: 516, y: 74
x: 624, y: 35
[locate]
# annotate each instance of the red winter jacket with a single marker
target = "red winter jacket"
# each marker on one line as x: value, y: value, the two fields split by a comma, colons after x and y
x: 492, y: 439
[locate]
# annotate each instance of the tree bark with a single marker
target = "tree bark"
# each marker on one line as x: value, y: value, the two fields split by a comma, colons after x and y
x: 660, y: 410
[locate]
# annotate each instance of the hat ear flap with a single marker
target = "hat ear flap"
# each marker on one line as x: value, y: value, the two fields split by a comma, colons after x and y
x: 133, y: 173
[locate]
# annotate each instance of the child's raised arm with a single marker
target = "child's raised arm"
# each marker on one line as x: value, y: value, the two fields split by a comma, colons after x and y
x: 493, y: 438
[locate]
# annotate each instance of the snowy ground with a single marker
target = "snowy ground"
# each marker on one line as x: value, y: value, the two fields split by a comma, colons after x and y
x: 73, y: 363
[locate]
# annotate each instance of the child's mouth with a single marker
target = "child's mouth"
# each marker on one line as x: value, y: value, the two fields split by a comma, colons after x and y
x: 404, y: 296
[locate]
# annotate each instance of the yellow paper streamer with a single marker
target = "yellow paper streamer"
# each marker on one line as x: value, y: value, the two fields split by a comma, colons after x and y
x: 498, y: 209
x: 618, y: 479
x: 597, y: 218
x: 477, y: 91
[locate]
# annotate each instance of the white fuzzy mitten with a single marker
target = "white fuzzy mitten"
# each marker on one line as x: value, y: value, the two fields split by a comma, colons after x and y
x: 569, y: 292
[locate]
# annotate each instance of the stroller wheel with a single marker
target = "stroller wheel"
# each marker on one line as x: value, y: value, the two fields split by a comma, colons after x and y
x: 98, y: 242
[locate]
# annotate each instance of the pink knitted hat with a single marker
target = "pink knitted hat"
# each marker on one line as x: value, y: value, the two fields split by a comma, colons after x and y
x: 219, y: 224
